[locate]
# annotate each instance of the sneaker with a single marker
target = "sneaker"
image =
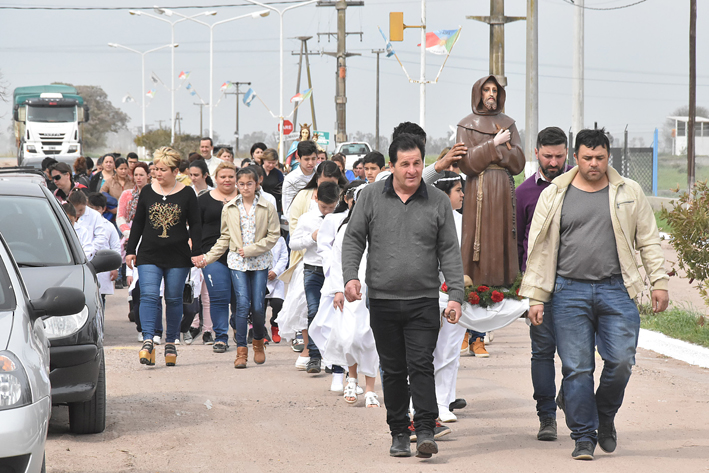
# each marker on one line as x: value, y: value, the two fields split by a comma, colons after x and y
x: 337, y: 385
x: 156, y: 339
x: 219, y: 347
x: 187, y: 336
x: 426, y: 445
x: 194, y: 331
x: 250, y: 336
x: 457, y: 404
x: 466, y: 346
x: 297, y: 344
x: 301, y: 363
x: 412, y: 432
x: 607, y: 437
x: 547, y: 429
x: 274, y: 334
x: 444, y: 415
x: 489, y: 337
x: 583, y: 451
x: 441, y: 430
x: 140, y: 337
x: 177, y: 342
x: 266, y: 336
x: 207, y: 338
x: 314, y: 366
x: 478, y: 349
x: 400, y: 446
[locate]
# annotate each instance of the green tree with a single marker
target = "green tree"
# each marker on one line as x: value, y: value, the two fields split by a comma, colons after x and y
x: 104, y: 118
x: 689, y: 220
x: 154, y: 139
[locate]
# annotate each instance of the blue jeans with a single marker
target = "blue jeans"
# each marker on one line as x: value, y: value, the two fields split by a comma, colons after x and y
x: 218, y: 279
x: 250, y: 288
x: 313, y: 280
x: 587, y: 313
x: 150, y: 278
x: 543, y: 372
x: 475, y: 335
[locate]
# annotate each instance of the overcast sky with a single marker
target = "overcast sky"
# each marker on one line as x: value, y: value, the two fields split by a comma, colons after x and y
x: 636, y: 61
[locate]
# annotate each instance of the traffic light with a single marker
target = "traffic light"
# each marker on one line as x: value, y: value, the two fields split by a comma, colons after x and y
x: 396, y: 26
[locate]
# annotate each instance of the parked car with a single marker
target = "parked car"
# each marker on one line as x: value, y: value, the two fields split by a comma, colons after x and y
x: 353, y: 151
x: 48, y: 253
x: 25, y: 392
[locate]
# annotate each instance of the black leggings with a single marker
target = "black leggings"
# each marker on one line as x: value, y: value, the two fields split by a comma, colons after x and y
x: 276, y: 306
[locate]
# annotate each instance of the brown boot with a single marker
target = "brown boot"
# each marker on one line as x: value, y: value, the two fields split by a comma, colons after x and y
x: 259, y: 352
x: 242, y: 354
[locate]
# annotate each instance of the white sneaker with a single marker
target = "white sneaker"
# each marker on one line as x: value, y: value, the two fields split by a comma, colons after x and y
x: 302, y: 363
x: 156, y: 339
x: 140, y: 337
x: 445, y: 415
x: 337, y: 385
x: 177, y: 342
x: 489, y: 337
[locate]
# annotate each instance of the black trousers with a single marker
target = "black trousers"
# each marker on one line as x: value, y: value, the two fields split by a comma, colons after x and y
x: 405, y: 332
x: 276, y: 306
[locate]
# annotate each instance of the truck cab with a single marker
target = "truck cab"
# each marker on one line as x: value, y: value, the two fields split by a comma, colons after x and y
x: 47, y: 122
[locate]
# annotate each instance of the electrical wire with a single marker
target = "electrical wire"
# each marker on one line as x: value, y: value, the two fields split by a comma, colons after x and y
x: 571, y: 2
x: 180, y: 7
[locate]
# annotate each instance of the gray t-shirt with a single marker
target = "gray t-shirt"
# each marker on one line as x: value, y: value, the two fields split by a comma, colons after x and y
x: 587, y: 248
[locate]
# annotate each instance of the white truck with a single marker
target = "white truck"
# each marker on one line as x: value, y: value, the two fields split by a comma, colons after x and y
x: 353, y: 150
x: 47, y: 122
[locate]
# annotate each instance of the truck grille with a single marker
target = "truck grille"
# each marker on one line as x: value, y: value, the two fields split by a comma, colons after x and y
x: 51, y: 151
x: 52, y: 136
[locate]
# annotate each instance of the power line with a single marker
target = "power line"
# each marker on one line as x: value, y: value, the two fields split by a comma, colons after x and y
x: 180, y: 7
x: 571, y: 2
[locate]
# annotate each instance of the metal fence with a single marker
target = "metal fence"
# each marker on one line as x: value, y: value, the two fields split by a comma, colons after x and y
x: 635, y: 164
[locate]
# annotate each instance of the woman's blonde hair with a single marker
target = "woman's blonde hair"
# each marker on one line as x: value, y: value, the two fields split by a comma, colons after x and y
x: 224, y: 165
x: 225, y: 150
x: 170, y: 157
x: 269, y: 155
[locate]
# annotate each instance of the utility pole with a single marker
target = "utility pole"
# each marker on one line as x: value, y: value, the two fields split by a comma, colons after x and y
x: 178, y: 120
x: 692, y: 93
x: 341, y: 55
x: 531, y: 119
x: 578, y: 69
x: 160, y: 123
x: 376, y: 121
x: 201, y: 105
x: 304, y: 52
x: 237, y: 92
x: 497, y: 21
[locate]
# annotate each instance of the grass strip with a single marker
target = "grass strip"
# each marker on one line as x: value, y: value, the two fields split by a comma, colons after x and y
x: 677, y: 322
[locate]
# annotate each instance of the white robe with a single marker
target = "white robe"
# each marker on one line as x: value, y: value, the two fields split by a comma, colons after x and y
x: 276, y: 288
x: 114, y: 243
x: 91, y: 232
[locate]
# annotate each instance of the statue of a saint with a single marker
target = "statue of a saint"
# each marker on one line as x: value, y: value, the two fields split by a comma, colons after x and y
x: 494, y: 156
x: 304, y: 136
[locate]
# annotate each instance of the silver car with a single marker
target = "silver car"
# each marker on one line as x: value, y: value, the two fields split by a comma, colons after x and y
x: 25, y: 391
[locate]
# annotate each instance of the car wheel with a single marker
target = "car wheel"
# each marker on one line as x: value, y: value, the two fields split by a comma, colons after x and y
x: 90, y: 417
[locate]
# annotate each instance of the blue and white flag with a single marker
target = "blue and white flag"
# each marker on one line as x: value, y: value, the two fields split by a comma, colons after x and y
x: 249, y: 96
x: 389, y: 47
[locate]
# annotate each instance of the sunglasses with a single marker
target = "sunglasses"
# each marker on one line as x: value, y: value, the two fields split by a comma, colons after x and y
x: 57, y: 177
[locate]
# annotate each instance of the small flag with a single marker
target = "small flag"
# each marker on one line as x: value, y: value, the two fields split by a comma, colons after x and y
x: 151, y: 93
x: 301, y: 97
x: 389, y: 47
x: 154, y: 77
x: 194, y: 92
x: 183, y: 75
x: 189, y: 86
x: 128, y: 98
x: 226, y: 85
x: 249, y: 96
x: 441, y: 41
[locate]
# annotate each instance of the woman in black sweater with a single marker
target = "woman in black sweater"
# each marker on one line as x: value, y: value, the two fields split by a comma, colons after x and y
x: 165, y: 209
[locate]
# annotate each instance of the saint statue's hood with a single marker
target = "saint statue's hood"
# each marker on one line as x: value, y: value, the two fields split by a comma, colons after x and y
x: 482, y: 119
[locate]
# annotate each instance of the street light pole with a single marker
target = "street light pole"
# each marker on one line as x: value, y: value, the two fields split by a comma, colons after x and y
x: 257, y: 14
x: 142, y: 68
x: 172, y: 59
x: 281, y: 152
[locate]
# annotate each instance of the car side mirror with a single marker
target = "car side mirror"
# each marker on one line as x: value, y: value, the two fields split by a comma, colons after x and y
x: 58, y: 301
x: 106, y: 260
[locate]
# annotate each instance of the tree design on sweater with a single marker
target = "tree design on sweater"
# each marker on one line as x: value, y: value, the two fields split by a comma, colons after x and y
x: 165, y: 216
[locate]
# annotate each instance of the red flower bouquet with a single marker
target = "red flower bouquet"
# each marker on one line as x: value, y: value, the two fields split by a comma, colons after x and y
x: 497, y: 296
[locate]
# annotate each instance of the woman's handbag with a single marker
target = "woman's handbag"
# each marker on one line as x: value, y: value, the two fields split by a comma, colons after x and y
x: 188, y: 292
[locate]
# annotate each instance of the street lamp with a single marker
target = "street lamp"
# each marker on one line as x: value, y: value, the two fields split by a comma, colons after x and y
x: 280, y: 96
x: 172, y: 68
x: 256, y: 14
x: 142, y: 70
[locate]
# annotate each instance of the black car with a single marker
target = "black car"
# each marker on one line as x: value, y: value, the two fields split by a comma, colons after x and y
x: 49, y: 254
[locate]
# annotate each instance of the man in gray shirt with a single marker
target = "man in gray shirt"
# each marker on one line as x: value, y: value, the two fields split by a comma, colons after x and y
x: 586, y: 228
x: 409, y: 231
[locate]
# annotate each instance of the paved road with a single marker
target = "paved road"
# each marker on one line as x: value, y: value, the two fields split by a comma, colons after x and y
x: 274, y: 418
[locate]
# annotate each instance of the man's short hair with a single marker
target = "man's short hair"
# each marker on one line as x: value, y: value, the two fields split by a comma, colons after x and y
x: 206, y: 138
x: 328, y: 192
x: 591, y: 139
x: 358, y: 162
x: 48, y: 162
x: 410, y: 128
x: 306, y: 148
x: 98, y: 200
x: 405, y: 142
x: 131, y: 155
x: 374, y: 157
x: 552, y: 136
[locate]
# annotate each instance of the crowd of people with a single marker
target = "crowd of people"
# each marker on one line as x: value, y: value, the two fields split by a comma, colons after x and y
x: 351, y: 262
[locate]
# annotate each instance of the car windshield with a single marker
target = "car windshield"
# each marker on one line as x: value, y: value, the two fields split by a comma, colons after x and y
x: 33, y: 232
x: 51, y: 114
x: 354, y: 149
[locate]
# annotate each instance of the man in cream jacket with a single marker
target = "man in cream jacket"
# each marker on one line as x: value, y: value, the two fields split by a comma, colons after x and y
x: 585, y: 232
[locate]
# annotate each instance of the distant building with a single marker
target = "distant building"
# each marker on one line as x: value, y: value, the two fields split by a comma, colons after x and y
x: 701, y: 136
